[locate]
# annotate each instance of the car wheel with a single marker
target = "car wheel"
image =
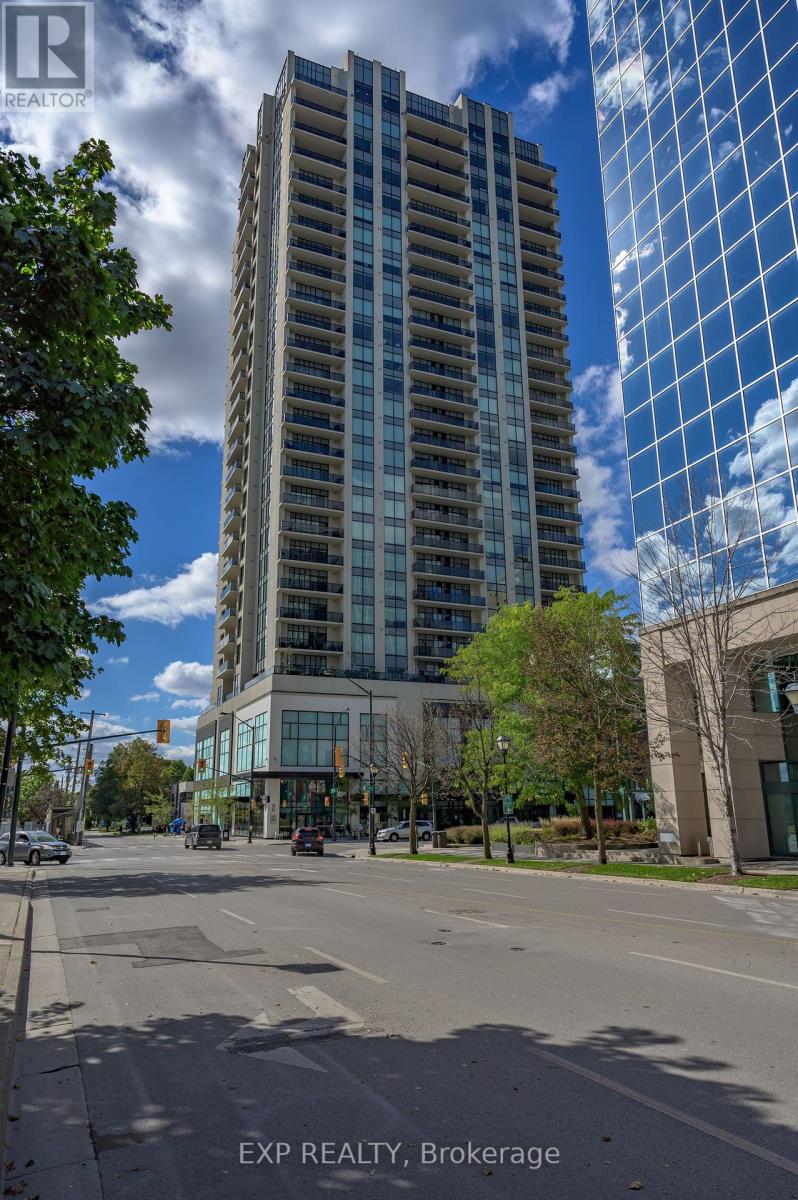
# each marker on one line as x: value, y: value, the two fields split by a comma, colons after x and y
x: 293, y: 853
x: 193, y: 845
x: 320, y: 853
x: 426, y: 835
x: 35, y: 858
x: 2, y: 858
x: 63, y: 861
x: 394, y: 837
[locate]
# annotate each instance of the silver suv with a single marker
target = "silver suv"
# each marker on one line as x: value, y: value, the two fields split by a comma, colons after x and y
x: 401, y: 832
x: 35, y: 846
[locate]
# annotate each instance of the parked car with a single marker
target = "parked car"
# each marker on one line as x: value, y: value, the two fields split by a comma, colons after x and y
x: 308, y: 840
x: 35, y: 846
x: 197, y: 836
x: 401, y: 832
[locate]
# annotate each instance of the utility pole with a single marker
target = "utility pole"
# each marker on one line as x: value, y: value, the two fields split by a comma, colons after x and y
x: 84, y: 783
x: 12, y: 833
x: 8, y: 750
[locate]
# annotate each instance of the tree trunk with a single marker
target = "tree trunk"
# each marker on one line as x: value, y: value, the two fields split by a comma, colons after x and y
x: 599, y: 817
x: 486, y: 850
x: 413, y: 834
x: 584, y: 817
x: 735, y: 862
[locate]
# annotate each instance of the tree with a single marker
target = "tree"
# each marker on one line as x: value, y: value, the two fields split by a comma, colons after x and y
x: 704, y: 642
x: 69, y: 408
x: 38, y: 792
x: 583, y: 693
x: 410, y: 755
x: 492, y: 673
x: 127, y: 781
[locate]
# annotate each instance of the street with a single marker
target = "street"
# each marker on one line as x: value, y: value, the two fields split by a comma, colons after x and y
x: 245, y: 1024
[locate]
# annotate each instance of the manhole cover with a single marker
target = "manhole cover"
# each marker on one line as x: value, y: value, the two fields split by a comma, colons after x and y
x: 467, y: 912
x: 437, y: 943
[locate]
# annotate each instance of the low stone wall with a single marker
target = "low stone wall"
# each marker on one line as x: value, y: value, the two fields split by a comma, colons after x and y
x: 632, y: 854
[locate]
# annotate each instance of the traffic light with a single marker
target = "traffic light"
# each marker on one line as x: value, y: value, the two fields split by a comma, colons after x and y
x: 326, y: 801
x: 340, y: 770
x: 163, y: 732
x: 405, y: 762
x: 89, y: 765
x: 366, y: 799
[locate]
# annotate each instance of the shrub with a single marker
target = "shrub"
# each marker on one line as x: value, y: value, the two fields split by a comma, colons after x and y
x: 465, y: 835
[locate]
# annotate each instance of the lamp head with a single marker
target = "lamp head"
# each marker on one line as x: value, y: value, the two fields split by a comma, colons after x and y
x: 503, y: 742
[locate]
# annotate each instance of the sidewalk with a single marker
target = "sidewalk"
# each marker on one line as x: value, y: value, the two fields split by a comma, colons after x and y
x: 15, y: 933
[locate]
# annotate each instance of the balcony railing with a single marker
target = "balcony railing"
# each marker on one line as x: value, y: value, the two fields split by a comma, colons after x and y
x: 321, y: 476
x: 299, y: 498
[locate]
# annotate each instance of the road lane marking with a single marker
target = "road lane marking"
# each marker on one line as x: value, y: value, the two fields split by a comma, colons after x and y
x: 322, y: 1005
x: 629, y: 912
x: 722, y: 1135
x: 486, y: 892
x: 474, y: 920
x: 227, y: 913
x: 191, y: 894
x: 347, y: 966
x: 678, y: 962
x: 341, y: 892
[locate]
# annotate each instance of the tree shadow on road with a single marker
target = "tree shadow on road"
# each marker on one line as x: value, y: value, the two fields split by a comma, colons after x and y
x: 171, y: 1100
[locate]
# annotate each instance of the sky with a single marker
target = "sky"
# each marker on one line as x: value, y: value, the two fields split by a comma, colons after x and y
x: 177, y: 88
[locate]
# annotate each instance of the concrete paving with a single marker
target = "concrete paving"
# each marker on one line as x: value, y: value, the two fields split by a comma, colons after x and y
x: 248, y: 1024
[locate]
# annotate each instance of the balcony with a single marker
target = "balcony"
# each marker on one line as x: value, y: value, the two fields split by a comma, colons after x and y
x: 298, y: 583
x: 227, y: 617
x: 318, y: 132
x: 234, y: 471
x: 428, y: 252
x: 439, y: 298
x: 425, y: 366
x: 448, y: 517
x: 300, y: 151
x: 337, y: 232
x: 316, y: 529
x: 229, y: 590
x: 552, y: 466
x: 548, y: 487
x: 317, y: 614
x: 457, y: 283
x: 312, y: 320
x: 442, y: 595
x: 313, y: 421
x: 335, y: 113
x: 449, y: 624
x: 548, y: 421
x: 229, y: 568
x: 559, y: 401
x: 440, y: 416
x: 232, y: 520
x: 434, y: 166
x: 436, y: 213
x: 553, y: 583
x: 311, y: 447
x: 437, y: 649
x: 300, y: 267
x: 440, y: 567
x: 447, y: 395
x: 449, y: 545
x: 436, y: 235
x: 317, y: 298
x: 300, y: 367
x: 293, y: 471
x: 314, y: 645
x: 549, y: 559
x: 312, y: 179
x: 314, y: 395
x: 557, y: 536
x: 438, y: 441
x: 443, y: 467
x: 445, y: 349
x: 312, y: 556
x: 558, y: 512
x: 452, y: 493
x: 301, y: 200
x: 314, y: 502
x: 455, y: 329
x: 309, y: 345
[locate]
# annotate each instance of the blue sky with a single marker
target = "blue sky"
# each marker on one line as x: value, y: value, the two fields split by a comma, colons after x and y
x: 177, y: 90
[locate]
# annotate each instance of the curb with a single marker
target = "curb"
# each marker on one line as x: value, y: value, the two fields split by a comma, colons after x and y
x: 724, y: 889
x: 12, y: 991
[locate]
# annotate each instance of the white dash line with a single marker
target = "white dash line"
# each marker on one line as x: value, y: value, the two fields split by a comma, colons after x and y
x: 339, y: 962
x: 678, y: 962
x: 658, y: 917
x: 227, y: 913
x: 473, y: 920
x: 341, y: 892
x: 486, y: 892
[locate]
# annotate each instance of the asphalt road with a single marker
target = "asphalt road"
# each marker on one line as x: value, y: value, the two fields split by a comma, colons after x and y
x: 189, y: 1011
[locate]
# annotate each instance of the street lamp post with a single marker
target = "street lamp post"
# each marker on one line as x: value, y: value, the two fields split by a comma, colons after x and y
x: 334, y: 786
x: 372, y: 769
x: 503, y: 742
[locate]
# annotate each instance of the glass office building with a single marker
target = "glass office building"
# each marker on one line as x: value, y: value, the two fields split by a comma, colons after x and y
x: 697, y: 108
x: 697, y: 111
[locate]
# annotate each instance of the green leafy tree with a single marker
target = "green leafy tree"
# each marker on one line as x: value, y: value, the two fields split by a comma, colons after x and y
x: 127, y: 781
x: 70, y: 407
x: 38, y: 791
x: 583, y: 693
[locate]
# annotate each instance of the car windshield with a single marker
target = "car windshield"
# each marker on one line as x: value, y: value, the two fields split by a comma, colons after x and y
x: 209, y: 828
x: 43, y: 837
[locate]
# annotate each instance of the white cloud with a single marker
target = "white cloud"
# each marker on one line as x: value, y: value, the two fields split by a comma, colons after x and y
x: 602, y: 467
x: 147, y: 697
x: 177, y: 93
x: 184, y: 724
x: 544, y: 95
x: 120, y: 661
x: 191, y: 593
x: 197, y: 702
x: 190, y: 679
x: 84, y: 695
